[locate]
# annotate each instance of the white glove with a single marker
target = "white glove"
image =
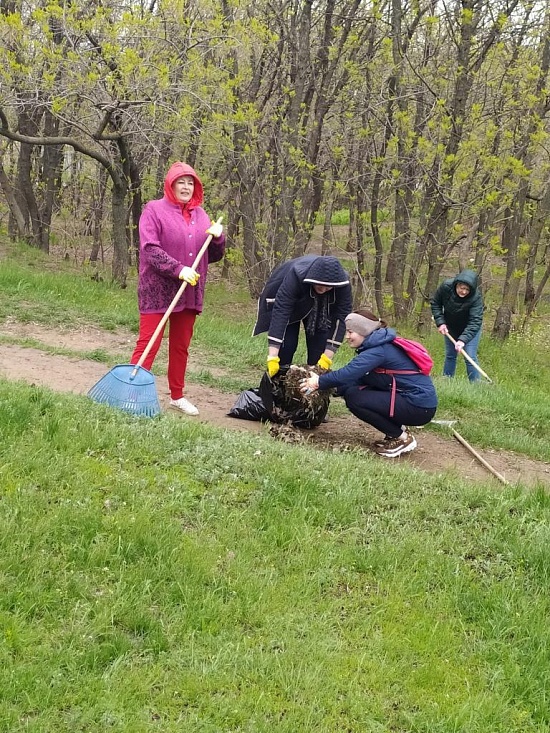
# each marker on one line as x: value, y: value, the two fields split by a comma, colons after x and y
x: 443, y: 329
x: 459, y: 345
x: 309, y: 385
x: 215, y: 229
x: 190, y: 276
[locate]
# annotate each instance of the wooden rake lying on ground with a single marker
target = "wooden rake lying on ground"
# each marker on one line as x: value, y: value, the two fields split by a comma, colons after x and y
x: 449, y: 424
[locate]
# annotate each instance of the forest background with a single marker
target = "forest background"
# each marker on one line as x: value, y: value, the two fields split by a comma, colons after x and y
x: 422, y: 126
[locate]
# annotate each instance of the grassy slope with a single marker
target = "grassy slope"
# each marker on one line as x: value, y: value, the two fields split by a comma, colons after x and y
x: 160, y: 575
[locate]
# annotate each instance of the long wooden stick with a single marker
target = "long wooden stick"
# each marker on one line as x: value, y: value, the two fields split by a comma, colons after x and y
x: 479, y: 458
x: 469, y: 358
x: 172, y: 305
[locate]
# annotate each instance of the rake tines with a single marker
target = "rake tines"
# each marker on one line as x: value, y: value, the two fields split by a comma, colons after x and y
x: 128, y: 388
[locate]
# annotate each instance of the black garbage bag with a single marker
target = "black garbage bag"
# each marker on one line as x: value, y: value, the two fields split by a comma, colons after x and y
x: 278, y: 399
x: 250, y: 406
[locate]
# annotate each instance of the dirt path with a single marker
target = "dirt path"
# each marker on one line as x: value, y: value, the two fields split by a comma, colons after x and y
x: 436, y: 453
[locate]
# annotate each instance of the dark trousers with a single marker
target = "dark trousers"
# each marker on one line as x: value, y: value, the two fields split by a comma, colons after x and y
x: 315, y: 343
x: 373, y: 407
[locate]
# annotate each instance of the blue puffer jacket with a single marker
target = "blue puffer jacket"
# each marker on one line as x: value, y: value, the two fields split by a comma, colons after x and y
x: 378, y: 351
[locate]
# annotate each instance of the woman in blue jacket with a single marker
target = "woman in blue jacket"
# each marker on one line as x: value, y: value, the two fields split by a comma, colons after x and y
x: 381, y: 385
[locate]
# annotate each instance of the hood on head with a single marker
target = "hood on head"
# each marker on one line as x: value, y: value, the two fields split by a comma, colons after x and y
x: 327, y: 271
x: 469, y: 278
x: 175, y: 171
x: 379, y: 336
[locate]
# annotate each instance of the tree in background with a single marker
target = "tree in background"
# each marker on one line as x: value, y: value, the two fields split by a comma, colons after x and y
x: 428, y: 122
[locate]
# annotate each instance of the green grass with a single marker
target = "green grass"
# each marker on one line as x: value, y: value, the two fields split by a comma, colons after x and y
x: 164, y: 575
x: 34, y: 291
x: 155, y: 576
x: 339, y: 218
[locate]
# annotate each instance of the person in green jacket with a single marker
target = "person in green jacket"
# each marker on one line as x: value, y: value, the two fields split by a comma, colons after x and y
x: 457, y: 308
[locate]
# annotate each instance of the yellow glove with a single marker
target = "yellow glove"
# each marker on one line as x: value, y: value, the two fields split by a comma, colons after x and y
x: 272, y: 365
x: 215, y: 229
x: 189, y: 275
x: 324, y: 362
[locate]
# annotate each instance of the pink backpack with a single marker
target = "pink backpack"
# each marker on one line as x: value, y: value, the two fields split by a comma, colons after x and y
x: 419, y: 355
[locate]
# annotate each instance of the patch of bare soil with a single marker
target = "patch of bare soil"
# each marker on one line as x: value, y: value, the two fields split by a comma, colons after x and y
x: 436, y: 453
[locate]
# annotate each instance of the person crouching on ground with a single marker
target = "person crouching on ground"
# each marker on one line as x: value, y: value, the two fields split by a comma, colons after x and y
x: 373, y: 396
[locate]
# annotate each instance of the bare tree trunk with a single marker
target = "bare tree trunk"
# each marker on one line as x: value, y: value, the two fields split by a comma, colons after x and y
x: 515, y: 261
x: 97, y: 214
x: 28, y: 126
x: 120, y: 249
x: 52, y: 158
x: 511, y: 234
x: 327, y: 238
x: 257, y: 268
x: 414, y: 291
x: 136, y: 205
x: 532, y: 304
x: 15, y: 211
x: 378, y: 246
x: 538, y: 222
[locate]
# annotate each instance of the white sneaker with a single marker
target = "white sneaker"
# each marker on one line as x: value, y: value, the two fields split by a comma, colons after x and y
x: 185, y: 406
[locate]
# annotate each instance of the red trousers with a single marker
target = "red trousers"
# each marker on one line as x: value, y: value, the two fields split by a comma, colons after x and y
x: 179, y: 338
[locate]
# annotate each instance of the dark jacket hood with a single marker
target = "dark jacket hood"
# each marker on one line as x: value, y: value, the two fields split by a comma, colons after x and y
x: 327, y: 271
x: 469, y: 278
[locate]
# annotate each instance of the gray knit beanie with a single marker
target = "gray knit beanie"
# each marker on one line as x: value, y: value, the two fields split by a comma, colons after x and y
x: 361, y: 325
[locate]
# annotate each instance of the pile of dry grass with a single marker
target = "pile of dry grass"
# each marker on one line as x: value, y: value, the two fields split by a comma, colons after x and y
x: 291, y: 406
x: 287, y: 433
x: 314, y: 402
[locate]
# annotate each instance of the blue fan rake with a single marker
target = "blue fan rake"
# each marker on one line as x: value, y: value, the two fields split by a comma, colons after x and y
x: 131, y: 387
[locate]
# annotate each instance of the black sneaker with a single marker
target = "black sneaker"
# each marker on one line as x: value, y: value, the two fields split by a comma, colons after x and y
x: 397, y: 446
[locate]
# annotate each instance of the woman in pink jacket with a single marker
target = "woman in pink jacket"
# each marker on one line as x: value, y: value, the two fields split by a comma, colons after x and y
x: 171, y: 232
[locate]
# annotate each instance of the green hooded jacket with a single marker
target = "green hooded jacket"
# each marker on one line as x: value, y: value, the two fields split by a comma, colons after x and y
x: 462, y: 316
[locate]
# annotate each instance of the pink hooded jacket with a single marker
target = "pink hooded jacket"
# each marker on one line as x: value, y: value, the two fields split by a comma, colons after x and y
x: 171, y: 235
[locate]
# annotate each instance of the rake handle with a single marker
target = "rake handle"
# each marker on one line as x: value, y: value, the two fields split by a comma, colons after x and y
x: 469, y: 358
x: 482, y: 460
x: 172, y: 305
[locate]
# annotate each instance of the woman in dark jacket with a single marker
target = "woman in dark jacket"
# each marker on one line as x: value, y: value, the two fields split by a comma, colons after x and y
x: 457, y: 308
x: 313, y: 290
x: 387, y: 401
